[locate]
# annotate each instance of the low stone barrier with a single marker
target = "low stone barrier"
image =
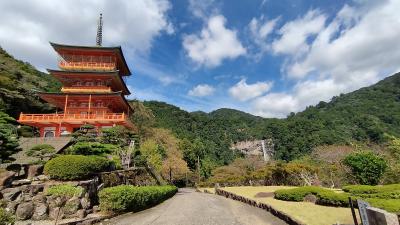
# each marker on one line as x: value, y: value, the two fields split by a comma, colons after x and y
x: 281, y: 215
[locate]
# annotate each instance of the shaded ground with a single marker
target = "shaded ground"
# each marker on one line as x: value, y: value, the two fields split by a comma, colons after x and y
x: 188, y: 207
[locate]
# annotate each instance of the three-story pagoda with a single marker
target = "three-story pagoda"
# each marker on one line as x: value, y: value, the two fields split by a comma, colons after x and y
x: 93, y: 90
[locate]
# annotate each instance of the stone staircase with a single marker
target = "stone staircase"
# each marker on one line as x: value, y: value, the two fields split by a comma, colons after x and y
x: 27, y: 143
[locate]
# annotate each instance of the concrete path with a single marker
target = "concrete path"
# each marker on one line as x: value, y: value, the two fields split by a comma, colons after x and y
x: 188, y: 207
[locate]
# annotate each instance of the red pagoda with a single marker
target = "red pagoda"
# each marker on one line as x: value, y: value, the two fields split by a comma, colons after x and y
x: 93, y: 90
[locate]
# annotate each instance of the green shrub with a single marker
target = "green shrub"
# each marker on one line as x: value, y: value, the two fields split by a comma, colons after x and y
x: 297, y: 194
x: 330, y: 198
x: 41, y: 151
x: 6, y: 218
x: 125, y: 198
x: 64, y: 190
x: 368, y: 189
x: 324, y: 196
x: 366, y: 167
x: 390, y: 205
x: 72, y: 167
x: 91, y: 148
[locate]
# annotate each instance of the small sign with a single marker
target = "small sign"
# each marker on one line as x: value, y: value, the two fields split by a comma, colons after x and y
x: 362, y: 209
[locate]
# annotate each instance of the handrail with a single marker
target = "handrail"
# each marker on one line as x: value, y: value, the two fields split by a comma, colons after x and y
x: 87, y: 65
x: 71, y: 117
x: 86, y: 89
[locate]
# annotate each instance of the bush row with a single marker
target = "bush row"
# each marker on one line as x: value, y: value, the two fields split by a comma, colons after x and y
x: 386, y: 197
x: 125, y: 198
x: 368, y: 189
x: 72, y: 167
x: 324, y: 196
x: 390, y: 205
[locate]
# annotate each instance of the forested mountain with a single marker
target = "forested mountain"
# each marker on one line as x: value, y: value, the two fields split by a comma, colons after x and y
x: 18, y: 83
x: 365, y: 115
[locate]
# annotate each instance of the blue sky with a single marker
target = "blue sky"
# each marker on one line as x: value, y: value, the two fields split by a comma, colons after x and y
x: 265, y: 57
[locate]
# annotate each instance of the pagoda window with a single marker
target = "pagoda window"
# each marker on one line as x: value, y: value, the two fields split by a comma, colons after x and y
x: 78, y: 83
x: 89, y: 83
x: 72, y: 104
x: 100, y: 83
x: 84, y: 104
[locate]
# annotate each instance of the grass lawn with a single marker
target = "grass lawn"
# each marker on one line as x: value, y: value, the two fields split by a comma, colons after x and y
x: 305, y: 212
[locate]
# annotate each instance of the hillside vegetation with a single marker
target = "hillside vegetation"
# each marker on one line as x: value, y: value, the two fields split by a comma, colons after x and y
x: 364, y: 116
x: 19, y: 82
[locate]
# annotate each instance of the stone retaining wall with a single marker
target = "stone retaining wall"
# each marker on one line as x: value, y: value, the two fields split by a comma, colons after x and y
x: 281, y: 215
x: 25, y: 195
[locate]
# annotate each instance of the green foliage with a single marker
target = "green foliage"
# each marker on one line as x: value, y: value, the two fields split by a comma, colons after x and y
x: 368, y: 189
x: 366, y: 167
x: 297, y: 194
x: 149, y: 152
x: 118, y: 136
x: 390, y: 205
x: 8, y: 137
x: 92, y: 148
x: 386, y: 197
x: 330, y: 198
x: 64, y: 190
x: 41, y: 151
x: 73, y: 167
x: 324, y: 196
x: 19, y: 83
x: 126, y: 198
x: 6, y: 218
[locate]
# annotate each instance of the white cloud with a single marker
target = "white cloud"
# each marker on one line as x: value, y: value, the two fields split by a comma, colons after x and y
x: 260, y: 29
x: 202, y: 9
x: 201, y: 90
x: 274, y: 105
x: 243, y: 91
x: 214, y: 44
x: 356, y: 49
x: 26, y: 28
x: 294, y: 34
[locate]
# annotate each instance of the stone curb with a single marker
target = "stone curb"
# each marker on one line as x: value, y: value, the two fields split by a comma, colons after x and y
x: 281, y: 215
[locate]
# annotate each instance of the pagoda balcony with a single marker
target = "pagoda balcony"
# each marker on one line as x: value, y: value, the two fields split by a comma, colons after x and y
x: 73, y: 118
x: 88, y: 89
x: 87, y: 66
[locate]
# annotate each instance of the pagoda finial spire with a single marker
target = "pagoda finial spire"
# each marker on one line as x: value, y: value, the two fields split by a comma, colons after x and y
x: 99, y: 37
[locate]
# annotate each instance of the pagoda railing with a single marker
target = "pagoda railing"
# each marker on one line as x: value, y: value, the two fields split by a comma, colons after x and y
x: 86, y: 89
x: 99, y: 66
x: 72, y: 117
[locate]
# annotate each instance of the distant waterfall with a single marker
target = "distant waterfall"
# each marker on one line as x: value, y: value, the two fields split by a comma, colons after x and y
x: 264, y: 150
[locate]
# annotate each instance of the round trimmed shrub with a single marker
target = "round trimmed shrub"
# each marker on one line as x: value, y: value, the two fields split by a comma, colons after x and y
x: 73, y: 167
x: 126, y: 198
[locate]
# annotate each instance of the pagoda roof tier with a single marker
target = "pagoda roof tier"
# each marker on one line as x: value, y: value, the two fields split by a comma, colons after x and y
x: 115, y: 100
x: 68, y: 77
x: 98, y: 50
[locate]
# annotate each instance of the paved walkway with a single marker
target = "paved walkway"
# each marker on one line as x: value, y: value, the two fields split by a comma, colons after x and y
x: 188, y: 207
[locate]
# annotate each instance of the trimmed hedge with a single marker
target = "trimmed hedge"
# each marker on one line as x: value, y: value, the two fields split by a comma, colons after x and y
x: 73, y: 167
x: 324, y: 196
x: 368, y: 189
x: 64, y: 190
x: 296, y: 194
x: 390, y: 205
x: 126, y: 198
x: 386, y: 197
